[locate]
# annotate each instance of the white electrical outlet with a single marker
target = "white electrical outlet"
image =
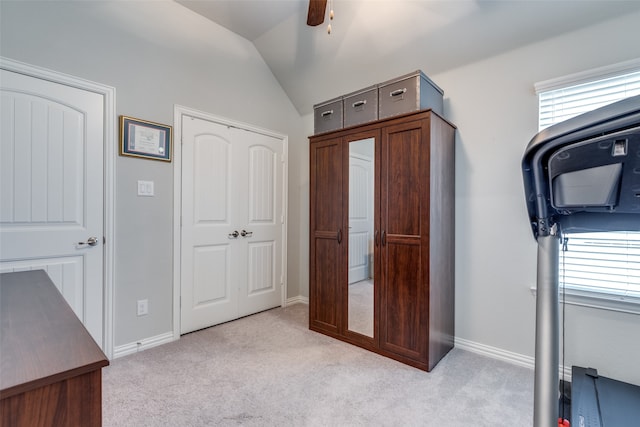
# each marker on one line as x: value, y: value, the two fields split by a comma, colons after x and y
x: 143, y: 307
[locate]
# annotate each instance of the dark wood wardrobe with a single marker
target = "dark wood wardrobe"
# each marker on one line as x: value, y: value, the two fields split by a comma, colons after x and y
x: 382, y: 237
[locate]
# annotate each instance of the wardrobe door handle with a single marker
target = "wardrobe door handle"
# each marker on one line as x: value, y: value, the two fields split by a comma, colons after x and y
x: 340, y: 236
x: 384, y: 237
x: 375, y: 238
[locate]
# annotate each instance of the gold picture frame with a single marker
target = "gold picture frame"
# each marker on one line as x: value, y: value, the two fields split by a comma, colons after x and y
x: 145, y: 139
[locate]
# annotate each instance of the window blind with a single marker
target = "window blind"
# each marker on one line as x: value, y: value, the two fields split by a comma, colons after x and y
x: 564, y: 103
x: 602, y: 262
x: 609, y: 262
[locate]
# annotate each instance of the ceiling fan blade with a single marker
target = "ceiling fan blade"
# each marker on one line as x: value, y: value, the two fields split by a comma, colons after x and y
x: 316, y: 12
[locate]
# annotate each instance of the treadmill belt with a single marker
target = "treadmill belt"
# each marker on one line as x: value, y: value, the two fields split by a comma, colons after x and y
x: 602, y: 402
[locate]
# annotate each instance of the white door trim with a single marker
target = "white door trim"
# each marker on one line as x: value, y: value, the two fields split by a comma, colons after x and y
x: 110, y: 150
x: 179, y: 112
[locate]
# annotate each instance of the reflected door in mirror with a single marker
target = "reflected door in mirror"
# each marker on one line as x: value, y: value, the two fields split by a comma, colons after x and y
x: 361, y: 234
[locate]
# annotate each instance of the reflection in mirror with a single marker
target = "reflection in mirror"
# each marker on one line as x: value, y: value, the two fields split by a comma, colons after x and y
x: 361, y: 200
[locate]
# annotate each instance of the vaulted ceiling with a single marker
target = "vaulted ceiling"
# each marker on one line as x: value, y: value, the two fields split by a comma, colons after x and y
x: 375, y: 40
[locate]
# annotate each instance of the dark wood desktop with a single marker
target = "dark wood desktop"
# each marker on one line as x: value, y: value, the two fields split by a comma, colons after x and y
x: 50, y: 367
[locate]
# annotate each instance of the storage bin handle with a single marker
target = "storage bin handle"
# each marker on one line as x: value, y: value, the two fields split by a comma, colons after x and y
x: 398, y: 92
x: 327, y: 113
x: 359, y: 103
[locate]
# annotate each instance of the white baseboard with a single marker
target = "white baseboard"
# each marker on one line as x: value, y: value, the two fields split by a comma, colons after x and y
x: 297, y: 300
x: 143, y: 344
x: 504, y: 355
x: 495, y: 353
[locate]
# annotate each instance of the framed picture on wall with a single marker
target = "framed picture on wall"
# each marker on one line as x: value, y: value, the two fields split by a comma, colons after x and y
x: 142, y: 138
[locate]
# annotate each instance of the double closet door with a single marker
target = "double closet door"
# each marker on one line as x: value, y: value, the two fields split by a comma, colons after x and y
x: 233, y: 223
x: 381, y: 255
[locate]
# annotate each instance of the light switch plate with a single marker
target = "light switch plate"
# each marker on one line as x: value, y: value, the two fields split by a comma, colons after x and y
x: 145, y: 188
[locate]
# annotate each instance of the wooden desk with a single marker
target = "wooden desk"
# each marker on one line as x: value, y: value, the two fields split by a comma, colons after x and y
x: 50, y: 367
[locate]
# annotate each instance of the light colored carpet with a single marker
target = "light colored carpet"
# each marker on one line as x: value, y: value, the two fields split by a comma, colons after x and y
x: 270, y: 370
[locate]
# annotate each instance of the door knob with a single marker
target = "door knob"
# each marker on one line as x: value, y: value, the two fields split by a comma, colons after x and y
x: 91, y: 241
x: 245, y: 233
x: 234, y: 235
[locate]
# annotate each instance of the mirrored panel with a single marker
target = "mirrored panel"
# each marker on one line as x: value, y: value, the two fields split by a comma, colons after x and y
x: 361, y: 235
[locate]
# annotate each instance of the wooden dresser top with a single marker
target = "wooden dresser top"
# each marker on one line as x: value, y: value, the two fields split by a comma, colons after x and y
x: 42, y: 341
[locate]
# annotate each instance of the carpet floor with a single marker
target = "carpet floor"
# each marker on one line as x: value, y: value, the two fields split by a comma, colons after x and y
x: 270, y: 370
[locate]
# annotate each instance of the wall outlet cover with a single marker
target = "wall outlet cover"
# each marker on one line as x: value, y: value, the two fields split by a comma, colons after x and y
x: 143, y: 307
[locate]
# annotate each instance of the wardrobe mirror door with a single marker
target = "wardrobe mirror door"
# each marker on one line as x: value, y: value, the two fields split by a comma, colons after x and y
x: 361, y: 235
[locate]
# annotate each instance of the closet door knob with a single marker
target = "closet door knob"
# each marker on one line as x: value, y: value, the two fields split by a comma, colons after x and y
x: 384, y: 237
x: 91, y: 241
x: 234, y: 235
x: 340, y: 236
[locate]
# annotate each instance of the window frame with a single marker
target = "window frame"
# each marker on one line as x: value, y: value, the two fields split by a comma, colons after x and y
x: 593, y: 298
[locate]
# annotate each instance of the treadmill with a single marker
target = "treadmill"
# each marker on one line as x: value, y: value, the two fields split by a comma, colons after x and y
x: 580, y: 175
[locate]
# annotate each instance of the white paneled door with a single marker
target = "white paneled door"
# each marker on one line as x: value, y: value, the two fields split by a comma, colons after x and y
x: 51, y: 188
x: 233, y: 223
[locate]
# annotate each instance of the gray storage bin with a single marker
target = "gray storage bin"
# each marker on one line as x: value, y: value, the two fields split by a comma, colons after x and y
x: 361, y: 106
x: 409, y: 93
x: 327, y: 116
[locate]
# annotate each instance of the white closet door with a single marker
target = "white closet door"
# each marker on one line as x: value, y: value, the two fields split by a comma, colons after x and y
x: 260, y: 171
x: 232, y: 223
x: 51, y: 191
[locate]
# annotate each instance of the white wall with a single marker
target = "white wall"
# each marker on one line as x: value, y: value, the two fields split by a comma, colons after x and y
x: 495, y: 108
x: 157, y: 54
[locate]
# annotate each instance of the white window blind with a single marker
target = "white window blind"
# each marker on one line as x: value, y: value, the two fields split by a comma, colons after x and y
x: 567, y: 102
x: 603, y: 265
x: 602, y: 262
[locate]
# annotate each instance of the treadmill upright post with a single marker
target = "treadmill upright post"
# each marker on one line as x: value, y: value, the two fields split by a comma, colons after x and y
x: 545, y: 403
